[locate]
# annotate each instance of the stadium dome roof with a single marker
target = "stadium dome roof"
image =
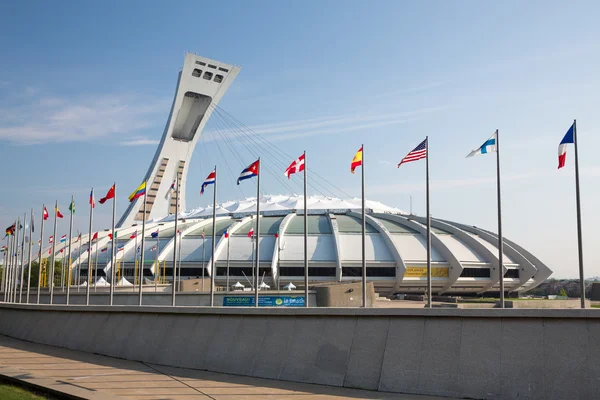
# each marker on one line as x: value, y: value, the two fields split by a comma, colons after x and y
x: 464, y: 258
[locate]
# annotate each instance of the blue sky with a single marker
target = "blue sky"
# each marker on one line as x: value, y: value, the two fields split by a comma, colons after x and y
x: 85, y: 91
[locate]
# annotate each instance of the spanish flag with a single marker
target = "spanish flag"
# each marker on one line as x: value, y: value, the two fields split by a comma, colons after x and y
x: 139, y: 192
x: 58, y: 213
x: 357, y: 160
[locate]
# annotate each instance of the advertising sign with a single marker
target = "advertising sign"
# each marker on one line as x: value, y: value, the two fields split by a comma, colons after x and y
x: 421, y: 272
x: 264, y: 301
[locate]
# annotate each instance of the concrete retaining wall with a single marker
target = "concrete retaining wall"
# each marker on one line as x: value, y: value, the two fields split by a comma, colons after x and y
x: 482, y: 354
x: 128, y: 298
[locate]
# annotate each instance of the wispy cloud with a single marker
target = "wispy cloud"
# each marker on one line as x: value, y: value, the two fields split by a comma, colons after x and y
x: 56, y: 119
x: 385, y: 162
x: 326, y: 125
x: 140, y: 142
x: 440, y: 185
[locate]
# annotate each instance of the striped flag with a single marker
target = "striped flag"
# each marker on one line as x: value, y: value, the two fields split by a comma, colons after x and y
x: 210, y: 180
x: 418, y: 153
x: 63, y: 238
x: 562, y: 147
x: 357, y: 160
x: 249, y: 172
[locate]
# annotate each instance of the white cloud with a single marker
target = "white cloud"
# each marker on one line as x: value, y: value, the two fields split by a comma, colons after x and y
x: 326, y: 125
x: 441, y: 185
x: 55, y: 119
x: 140, y: 142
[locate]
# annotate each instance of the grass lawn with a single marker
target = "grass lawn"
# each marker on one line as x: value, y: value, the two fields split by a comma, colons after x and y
x: 9, y: 392
x: 595, y: 305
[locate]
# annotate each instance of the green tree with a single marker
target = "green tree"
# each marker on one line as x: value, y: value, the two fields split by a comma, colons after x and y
x: 562, y: 292
x: 35, y: 268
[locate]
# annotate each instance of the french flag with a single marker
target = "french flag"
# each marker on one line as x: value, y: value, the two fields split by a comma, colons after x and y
x: 562, y: 147
x: 210, y: 180
x: 250, y: 172
x: 92, y: 202
x: 225, y: 234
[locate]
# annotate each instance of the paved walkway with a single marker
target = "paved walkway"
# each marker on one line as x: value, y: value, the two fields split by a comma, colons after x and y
x: 95, y: 377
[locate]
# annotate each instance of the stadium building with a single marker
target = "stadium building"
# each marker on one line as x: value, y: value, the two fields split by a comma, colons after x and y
x: 464, y: 258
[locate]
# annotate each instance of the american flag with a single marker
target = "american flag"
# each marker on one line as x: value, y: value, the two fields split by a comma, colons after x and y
x: 418, y: 153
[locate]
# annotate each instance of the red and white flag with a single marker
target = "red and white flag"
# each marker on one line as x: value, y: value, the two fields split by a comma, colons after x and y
x: 51, y: 239
x: 251, y: 232
x: 45, y: 214
x: 296, y: 166
x: 95, y: 236
x: 418, y: 153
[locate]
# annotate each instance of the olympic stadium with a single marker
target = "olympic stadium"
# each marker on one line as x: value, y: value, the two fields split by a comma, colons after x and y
x: 464, y: 258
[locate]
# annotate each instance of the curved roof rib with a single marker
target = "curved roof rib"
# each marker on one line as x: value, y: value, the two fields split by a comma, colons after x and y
x: 455, y: 267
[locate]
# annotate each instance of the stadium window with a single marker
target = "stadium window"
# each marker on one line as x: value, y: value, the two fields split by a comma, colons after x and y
x: 212, y: 66
x: 223, y: 69
x: 208, y: 75
x: 351, y: 271
x: 200, y: 63
x: 218, y: 78
x: 512, y: 273
x: 197, y: 73
x: 475, y: 273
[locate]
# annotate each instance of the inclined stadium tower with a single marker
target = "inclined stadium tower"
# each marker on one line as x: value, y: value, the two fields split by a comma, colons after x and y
x: 464, y: 258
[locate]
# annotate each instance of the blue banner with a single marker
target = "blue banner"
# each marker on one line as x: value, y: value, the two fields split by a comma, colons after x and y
x: 264, y: 301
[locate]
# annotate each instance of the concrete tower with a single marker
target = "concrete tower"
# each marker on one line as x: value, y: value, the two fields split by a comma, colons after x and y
x: 201, y: 82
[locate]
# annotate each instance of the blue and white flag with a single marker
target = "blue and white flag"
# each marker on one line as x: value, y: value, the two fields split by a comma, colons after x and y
x: 488, y: 147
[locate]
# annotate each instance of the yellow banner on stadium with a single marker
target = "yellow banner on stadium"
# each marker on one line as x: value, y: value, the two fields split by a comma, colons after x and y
x: 421, y: 272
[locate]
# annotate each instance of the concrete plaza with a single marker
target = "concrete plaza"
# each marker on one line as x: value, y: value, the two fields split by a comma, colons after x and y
x: 95, y: 377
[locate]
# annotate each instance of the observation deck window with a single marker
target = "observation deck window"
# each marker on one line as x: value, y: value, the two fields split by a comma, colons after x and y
x: 197, y: 73
x: 208, y: 75
x: 218, y: 78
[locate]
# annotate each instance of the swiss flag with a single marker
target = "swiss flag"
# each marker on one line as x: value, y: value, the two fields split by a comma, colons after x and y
x: 95, y: 236
x: 296, y: 166
x: 251, y: 232
x: 45, y: 213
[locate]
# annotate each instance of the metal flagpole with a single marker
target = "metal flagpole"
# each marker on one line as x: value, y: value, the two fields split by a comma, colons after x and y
x: 305, y: 239
x: 51, y: 276
x: 156, y: 264
x: 79, y: 263
x: 227, y: 279
x: 96, y: 267
x: 39, y: 285
x: 135, y: 256
x: 213, y: 269
x: 22, y: 258
x: 257, y: 236
x: 72, y: 209
x: 13, y: 263
x: 428, y: 223
x: 364, y: 260
x: 142, y: 246
x: 179, y: 261
x: 16, y: 267
x: 113, y: 269
x: 10, y: 265
x: 500, y: 238
x: 203, y: 257
x: 579, y: 234
x: 29, y: 255
x: 89, y: 274
x: 8, y: 257
x: 175, y: 240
